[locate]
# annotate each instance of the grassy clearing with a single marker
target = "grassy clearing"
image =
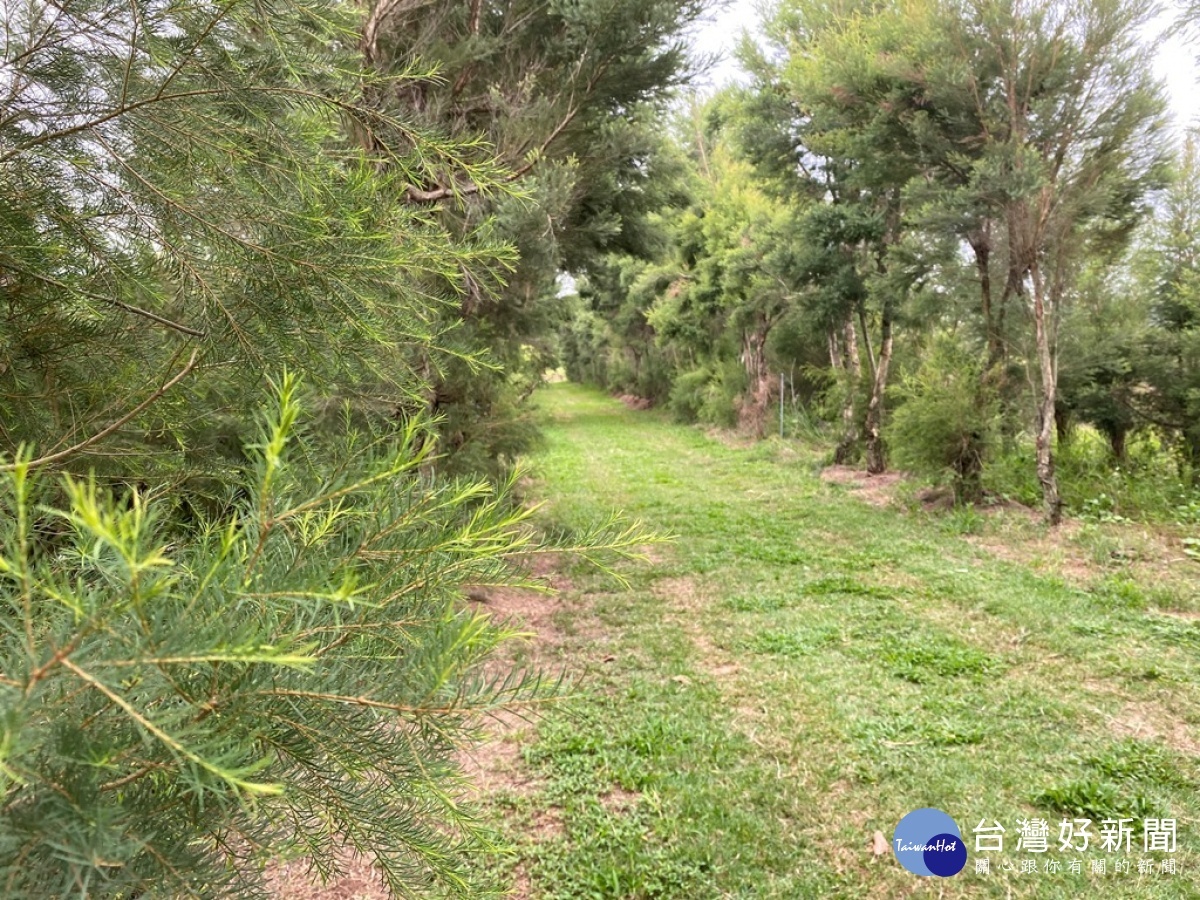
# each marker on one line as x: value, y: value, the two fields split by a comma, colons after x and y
x: 800, y: 669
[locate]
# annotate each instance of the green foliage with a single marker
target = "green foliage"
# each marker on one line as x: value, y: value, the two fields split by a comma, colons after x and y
x: 274, y: 660
x: 927, y: 727
x: 930, y: 119
x: 1097, y: 367
x: 723, y: 395
x: 948, y: 421
x: 615, y: 854
x: 964, y: 519
x: 1120, y: 592
x: 688, y: 394
x: 293, y: 675
x: 1164, y: 383
x: 607, y: 340
x: 583, y: 344
x: 1139, y: 761
x: 709, y: 396
x: 1146, y: 487
x: 565, y: 97
x: 872, y: 193
x: 247, y: 677
x: 797, y: 643
x: 719, y: 284
x: 177, y: 176
x: 602, y: 770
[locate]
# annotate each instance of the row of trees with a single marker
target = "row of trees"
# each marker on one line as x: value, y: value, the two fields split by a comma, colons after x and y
x: 954, y: 188
x: 237, y: 631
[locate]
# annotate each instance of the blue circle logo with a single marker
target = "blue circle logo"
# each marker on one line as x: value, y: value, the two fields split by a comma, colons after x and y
x: 928, y: 842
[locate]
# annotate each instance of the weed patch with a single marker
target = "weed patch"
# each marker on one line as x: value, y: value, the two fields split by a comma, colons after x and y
x: 923, y: 658
x: 795, y: 643
x: 1096, y: 800
x: 1139, y: 761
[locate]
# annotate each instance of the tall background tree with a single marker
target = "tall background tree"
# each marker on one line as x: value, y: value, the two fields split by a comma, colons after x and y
x: 1037, y: 122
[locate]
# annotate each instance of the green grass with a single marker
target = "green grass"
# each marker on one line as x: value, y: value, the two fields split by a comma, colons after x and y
x: 800, y: 669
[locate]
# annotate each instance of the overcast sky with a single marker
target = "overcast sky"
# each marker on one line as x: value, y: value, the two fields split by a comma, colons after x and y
x: 1176, y: 63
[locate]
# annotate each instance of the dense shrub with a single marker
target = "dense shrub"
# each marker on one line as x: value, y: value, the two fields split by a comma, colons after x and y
x: 948, y: 420
x: 687, y: 394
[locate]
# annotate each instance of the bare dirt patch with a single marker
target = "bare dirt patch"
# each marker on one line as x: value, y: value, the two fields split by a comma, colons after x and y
x: 1186, y: 615
x: 655, y: 554
x: 532, y: 611
x: 1146, y: 721
x: 620, y: 800
x: 682, y: 593
x: 635, y: 402
x: 878, y: 490
x: 495, y: 764
x: 735, y: 440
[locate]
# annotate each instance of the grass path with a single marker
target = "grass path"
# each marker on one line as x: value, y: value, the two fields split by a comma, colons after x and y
x: 799, y: 669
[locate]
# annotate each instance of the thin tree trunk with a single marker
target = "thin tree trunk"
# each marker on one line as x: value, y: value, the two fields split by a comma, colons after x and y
x: 1044, y: 444
x: 876, y: 457
x: 1063, y: 423
x: 866, y: 339
x: 851, y: 368
x: 981, y: 245
x: 752, y: 416
x: 1116, y: 440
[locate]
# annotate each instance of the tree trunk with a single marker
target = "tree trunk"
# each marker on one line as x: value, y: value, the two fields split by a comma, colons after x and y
x: 981, y: 245
x: 1063, y: 423
x: 876, y: 457
x: 851, y: 370
x: 1116, y: 441
x: 1191, y: 442
x: 752, y: 415
x: 1049, y: 389
x: 968, y: 474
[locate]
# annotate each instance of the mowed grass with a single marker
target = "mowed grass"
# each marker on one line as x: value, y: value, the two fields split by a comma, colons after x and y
x: 798, y: 669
